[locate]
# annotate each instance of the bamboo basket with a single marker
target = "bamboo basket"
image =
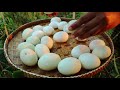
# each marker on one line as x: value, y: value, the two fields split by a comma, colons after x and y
x: 63, y: 49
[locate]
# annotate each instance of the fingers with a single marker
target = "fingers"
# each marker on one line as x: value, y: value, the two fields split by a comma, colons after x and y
x: 94, y: 31
x: 82, y: 20
x: 99, y: 20
x: 78, y: 31
x: 94, y: 22
x: 88, y: 26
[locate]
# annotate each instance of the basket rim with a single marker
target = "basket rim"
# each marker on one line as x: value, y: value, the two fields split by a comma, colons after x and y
x: 89, y: 73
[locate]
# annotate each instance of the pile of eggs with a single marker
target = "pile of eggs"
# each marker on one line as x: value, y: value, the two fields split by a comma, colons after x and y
x: 36, y: 49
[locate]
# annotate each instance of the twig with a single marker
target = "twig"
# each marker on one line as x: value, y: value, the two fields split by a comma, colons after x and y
x: 6, y: 31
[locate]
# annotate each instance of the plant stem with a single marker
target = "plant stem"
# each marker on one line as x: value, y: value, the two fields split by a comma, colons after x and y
x: 115, y: 36
x: 1, y: 48
x: 117, y: 57
x: 74, y: 14
x: 117, y: 76
x: 116, y: 69
x: 6, y: 31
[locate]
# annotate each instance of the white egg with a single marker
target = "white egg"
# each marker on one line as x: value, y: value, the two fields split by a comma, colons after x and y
x: 54, y: 24
x: 61, y: 25
x: 24, y: 45
x: 98, y: 42
x: 69, y: 66
x: 41, y: 49
x: 48, y: 30
x: 89, y: 61
x: 65, y: 29
x: 71, y: 22
x: 33, y: 40
x: 38, y: 28
x: 79, y: 49
x: 102, y: 52
x: 28, y: 57
x: 49, y: 61
x: 60, y: 36
x: 56, y: 19
x: 27, y: 33
x: 47, y: 41
x: 38, y: 34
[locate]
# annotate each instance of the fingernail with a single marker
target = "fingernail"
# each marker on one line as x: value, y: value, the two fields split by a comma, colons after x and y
x: 70, y: 28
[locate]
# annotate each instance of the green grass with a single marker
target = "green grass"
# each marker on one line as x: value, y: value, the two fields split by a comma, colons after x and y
x: 12, y: 20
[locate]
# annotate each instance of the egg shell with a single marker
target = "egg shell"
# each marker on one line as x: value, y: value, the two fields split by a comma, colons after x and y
x: 69, y: 66
x: 54, y: 24
x: 55, y: 19
x: 79, y: 49
x: 61, y: 25
x: 41, y: 49
x: 47, y: 41
x: 89, y: 61
x: 24, y: 45
x: 38, y: 34
x: 33, y: 40
x: 60, y: 36
x: 49, y: 61
x: 38, y: 28
x: 102, y: 52
x: 97, y: 42
x: 28, y: 57
x: 27, y: 33
x: 48, y: 30
x: 71, y: 22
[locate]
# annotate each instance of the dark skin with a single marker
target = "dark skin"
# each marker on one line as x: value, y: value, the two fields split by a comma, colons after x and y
x: 94, y: 23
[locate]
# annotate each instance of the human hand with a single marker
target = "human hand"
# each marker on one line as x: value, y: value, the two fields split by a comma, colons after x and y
x: 94, y: 23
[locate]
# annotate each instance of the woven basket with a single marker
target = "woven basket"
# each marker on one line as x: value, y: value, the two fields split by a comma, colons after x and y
x: 63, y: 49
